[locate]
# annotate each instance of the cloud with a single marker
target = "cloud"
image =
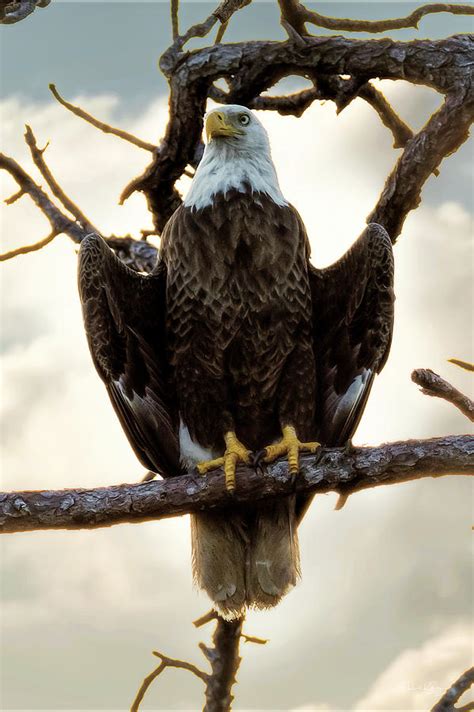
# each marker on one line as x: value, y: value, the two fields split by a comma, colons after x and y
x: 418, y: 677
x: 388, y: 571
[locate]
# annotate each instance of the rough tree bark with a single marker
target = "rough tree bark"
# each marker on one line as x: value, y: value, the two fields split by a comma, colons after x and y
x: 341, y: 470
x: 340, y: 70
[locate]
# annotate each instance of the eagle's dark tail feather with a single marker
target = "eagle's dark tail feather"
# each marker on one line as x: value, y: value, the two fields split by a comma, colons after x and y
x: 246, y: 560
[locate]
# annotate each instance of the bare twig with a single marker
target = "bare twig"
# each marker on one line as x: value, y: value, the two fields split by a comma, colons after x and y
x: 223, y: 656
x: 206, y: 618
x: 137, y: 254
x: 292, y: 17
x: 175, y: 18
x: 253, y: 639
x: 220, y: 32
x: 28, y: 248
x: 453, y: 694
x: 433, y: 385
x: 58, y: 221
x: 301, y: 15
x: 16, y: 196
x: 106, y: 128
x: 389, y: 117
x: 462, y: 364
x: 336, y: 470
x: 165, y: 663
x: 37, y: 155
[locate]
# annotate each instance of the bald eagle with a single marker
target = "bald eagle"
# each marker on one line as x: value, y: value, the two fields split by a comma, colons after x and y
x: 236, y: 344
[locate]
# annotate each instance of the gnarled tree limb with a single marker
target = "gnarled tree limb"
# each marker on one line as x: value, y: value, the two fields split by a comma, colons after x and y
x: 250, y: 68
x: 340, y: 470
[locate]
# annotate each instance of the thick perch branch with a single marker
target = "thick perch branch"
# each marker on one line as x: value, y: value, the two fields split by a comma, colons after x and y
x: 339, y: 470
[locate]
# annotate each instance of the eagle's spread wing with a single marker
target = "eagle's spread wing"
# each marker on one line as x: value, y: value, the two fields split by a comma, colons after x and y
x: 352, y: 327
x: 124, y: 316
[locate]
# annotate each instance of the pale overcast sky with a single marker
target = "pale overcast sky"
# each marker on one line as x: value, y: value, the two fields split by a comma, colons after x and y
x: 382, y: 618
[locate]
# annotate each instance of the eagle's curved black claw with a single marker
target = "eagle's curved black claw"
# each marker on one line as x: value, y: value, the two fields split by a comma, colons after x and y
x: 257, y: 458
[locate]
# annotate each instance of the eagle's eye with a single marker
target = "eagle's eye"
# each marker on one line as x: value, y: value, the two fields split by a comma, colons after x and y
x: 244, y: 119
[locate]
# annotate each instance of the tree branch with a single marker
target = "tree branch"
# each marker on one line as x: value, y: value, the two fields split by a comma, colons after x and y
x: 433, y: 385
x: 447, y: 129
x: 40, y: 163
x: 389, y: 117
x: 101, y: 125
x: 299, y: 15
x: 165, y: 663
x: 16, y: 10
x: 453, y: 694
x: 25, y: 249
x: 224, y: 660
x: 462, y: 364
x: 58, y: 220
x: 250, y: 68
x: 223, y: 657
x: 340, y: 470
x: 174, y: 7
x: 137, y: 254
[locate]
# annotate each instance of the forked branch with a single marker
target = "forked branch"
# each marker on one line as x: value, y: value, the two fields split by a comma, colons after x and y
x: 138, y: 254
x: 224, y: 660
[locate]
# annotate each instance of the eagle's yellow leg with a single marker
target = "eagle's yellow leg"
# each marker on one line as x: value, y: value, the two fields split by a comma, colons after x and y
x: 234, y: 452
x: 290, y: 446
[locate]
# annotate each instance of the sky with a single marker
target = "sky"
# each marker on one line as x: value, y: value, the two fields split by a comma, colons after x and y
x: 382, y: 619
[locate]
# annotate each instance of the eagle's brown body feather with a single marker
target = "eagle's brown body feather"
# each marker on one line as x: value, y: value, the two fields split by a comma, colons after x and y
x: 239, y: 320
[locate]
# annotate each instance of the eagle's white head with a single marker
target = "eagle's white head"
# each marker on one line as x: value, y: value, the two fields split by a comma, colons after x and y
x: 237, y: 156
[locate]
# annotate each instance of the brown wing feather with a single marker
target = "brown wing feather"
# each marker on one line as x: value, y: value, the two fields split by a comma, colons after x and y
x: 352, y: 327
x: 124, y: 318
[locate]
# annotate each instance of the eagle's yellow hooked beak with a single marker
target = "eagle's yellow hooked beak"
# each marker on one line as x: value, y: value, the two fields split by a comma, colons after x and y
x: 217, y: 125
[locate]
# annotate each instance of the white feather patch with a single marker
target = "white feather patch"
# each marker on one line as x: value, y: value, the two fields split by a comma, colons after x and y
x: 191, y: 452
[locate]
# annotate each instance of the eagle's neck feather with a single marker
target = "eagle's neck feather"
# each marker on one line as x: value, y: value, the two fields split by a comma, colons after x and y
x: 223, y: 168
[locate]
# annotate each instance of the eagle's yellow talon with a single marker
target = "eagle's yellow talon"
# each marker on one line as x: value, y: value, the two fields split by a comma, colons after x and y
x: 234, y: 452
x: 208, y: 465
x: 290, y: 446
